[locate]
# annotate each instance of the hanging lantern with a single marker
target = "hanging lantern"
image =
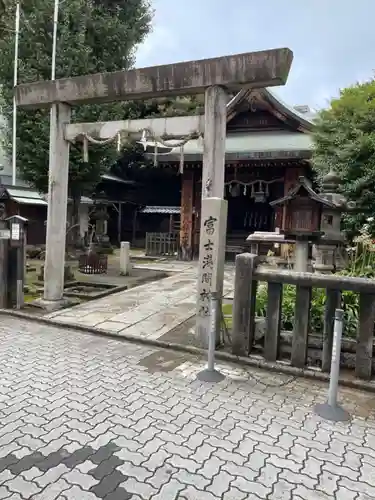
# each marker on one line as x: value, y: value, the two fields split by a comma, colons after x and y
x: 143, y: 140
x: 260, y: 195
x: 235, y: 190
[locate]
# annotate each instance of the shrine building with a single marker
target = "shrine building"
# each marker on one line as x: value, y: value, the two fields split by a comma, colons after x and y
x: 268, y: 147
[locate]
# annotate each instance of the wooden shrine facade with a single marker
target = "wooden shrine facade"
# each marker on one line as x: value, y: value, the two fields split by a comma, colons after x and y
x: 249, y: 190
x: 268, y: 147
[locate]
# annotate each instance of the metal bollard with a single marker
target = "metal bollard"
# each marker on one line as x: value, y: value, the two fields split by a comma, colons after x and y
x: 210, y: 374
x: 19, y: 295
x: 331, y: 410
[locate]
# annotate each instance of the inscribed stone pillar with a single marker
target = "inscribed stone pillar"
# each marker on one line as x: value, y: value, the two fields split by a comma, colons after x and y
x: 186, y: 230
x: 211, y: 264
x: 57, y: 204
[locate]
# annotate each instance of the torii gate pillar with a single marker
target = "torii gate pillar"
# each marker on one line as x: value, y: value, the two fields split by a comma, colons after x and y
x: 57, y: 203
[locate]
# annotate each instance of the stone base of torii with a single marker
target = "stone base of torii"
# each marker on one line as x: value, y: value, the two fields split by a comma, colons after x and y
x: 216, y: 77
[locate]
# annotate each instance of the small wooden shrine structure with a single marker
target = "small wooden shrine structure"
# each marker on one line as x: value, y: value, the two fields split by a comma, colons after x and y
x: 302, y: 211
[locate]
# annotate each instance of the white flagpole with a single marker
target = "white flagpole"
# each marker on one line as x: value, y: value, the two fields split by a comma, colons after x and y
x: 15, y: 78
x: 54, y: 40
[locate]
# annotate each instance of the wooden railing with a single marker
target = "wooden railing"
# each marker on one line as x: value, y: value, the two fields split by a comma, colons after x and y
x: 247, y: 277
x: 162, y: 244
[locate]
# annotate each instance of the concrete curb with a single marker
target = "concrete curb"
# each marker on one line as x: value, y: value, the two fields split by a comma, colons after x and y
x: 254, y: 361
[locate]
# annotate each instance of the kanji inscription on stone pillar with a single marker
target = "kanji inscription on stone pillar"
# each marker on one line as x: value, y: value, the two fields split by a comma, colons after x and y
x: 211, y: 263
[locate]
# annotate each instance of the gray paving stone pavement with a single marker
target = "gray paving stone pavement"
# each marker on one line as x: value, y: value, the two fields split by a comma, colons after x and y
x: 147, y: 311
x: 86, y: 417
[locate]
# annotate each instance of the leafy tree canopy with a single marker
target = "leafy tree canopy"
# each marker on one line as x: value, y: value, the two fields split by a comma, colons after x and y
x: 344, y: 139
x: 93, y: 36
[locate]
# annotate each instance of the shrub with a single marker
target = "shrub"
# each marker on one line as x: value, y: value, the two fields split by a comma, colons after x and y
x: 34, y: 252
x: 105, y: 250
x: 349, y: 304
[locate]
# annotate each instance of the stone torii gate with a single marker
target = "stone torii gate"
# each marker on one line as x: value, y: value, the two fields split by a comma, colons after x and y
x: 215, y: 77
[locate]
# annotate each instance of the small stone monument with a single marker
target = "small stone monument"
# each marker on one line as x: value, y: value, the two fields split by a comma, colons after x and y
x: 125, y: 265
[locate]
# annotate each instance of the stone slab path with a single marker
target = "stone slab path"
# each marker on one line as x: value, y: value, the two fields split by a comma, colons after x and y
x: 147, y: 311
x: 88, y: 418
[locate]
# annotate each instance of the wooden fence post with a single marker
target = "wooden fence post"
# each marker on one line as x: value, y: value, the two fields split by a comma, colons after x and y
x: 365, y: 336
x: 244, y: 304
x: 301, y: 326
x: 273, y: 321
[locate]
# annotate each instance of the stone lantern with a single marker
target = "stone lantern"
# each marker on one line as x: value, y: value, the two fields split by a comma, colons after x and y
x: 100, y: 216
x: 100, y: 242
x: 303, y: 210
x: 329, y: 250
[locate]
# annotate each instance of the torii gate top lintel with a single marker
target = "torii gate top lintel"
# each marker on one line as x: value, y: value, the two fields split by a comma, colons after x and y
x: 253, y: 69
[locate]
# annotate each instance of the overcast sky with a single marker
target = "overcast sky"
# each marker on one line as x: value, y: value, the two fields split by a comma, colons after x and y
x: 333, y: 40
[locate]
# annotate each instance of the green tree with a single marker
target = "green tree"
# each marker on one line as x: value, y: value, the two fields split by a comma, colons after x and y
x: 93, y: 36
x: 344, y: 139
x: 5, y: 6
